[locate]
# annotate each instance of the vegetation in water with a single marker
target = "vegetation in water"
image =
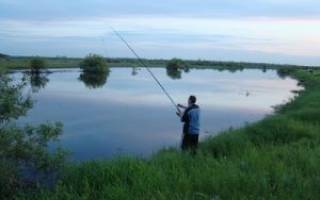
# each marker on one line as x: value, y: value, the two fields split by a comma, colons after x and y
x: 94, y: 71
x: 276, y: 158
x: 38, y: 73
x: 175, y: 67
x: 94, y: 79
x: 94, y: 63
x: 38, y: 81
x: 25, y: 161
x: 37, y: 65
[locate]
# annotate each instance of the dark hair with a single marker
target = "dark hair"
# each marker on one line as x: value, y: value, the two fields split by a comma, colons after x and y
x: 192, y: 99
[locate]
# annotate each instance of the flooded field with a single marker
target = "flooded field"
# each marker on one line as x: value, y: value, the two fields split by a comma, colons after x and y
x: 123, y: 112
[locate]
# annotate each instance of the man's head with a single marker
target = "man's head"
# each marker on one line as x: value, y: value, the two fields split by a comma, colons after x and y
x: 192, y: 100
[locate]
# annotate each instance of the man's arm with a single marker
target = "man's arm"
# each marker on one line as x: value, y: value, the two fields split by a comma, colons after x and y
x: 179, y: 112
x: 184, y: 116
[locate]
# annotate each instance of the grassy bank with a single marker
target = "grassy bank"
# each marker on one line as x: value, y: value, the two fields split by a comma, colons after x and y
x: 276, y: 158
x: 65, y: 62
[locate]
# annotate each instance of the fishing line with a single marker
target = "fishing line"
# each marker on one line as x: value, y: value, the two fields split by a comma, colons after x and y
x: 147, y: 68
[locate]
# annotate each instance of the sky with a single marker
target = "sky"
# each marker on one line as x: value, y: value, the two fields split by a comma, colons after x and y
x: 272, y: 31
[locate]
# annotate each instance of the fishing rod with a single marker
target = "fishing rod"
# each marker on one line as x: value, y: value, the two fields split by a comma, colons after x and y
x: 148, y: 69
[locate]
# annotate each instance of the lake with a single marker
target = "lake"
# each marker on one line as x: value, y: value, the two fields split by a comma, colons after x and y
x: 124, y: 112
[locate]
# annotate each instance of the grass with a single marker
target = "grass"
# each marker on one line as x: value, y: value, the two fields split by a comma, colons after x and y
x: 24, y: 62
x: 276, y: 158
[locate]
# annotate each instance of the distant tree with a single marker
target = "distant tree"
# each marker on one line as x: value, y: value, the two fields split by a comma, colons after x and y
x: 94, y: 63
x: 175, y: 67
x: 94, y: 71
x: 37, y: 64
x: 177, y: 64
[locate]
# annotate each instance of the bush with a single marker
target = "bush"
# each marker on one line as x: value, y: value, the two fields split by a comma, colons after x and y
x: 12, y: 103
x: 94, y: 63
x: 175, y: 67
x: 177, y: 63
x: 37, y: 64
x: 25, y: 161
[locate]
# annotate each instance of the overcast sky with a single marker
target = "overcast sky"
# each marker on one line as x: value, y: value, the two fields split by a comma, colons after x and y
x: 275, y: 31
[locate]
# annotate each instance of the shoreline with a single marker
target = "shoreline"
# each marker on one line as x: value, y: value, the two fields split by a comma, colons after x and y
x: 57, y: 62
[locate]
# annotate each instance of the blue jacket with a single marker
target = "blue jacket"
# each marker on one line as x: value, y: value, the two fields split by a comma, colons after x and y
x: 191, y: 119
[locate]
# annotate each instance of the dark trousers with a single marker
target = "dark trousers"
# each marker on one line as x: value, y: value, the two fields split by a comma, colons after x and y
x: 190, y: 142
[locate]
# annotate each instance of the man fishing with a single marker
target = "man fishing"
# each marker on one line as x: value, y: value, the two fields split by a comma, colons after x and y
x: 191, y: 128
x: 191, y: 115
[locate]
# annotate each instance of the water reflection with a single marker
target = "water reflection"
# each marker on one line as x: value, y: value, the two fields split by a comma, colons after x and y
x: 37, y: 80
x: 175, y: 73
x: 94, y: 79
x: 134, y: 71
x: 231, y: 69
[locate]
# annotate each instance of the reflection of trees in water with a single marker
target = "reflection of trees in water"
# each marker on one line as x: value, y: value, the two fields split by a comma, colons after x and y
x: 264, y: 69
x: 94, y: 79
x: 186, y: 70
x: 37, y: 80
x: 175, y: 68
x: 284, y: 72
x: 174, y: 72
x: 134, y: 71
x: 230, y: 69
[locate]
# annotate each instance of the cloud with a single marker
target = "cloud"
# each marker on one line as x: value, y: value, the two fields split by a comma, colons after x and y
x: 59, y: 9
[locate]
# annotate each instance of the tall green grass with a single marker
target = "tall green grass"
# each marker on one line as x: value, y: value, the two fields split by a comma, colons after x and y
x: 276, y: 158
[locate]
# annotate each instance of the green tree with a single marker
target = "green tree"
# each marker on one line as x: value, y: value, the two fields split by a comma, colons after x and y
x: 12, y: 103
x: 37, y: 64
x: 94, y: 71
x: 94, y: 63
x: 175, y: 67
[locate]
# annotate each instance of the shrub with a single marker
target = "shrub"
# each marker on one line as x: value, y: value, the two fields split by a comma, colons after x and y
x: 177, y: 63
x: 94, y: 63
x: 37, y: 64
x: 25, y: 161
x: 175, y: 67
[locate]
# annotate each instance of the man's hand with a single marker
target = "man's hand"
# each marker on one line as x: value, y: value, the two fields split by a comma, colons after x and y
x: 181, y: 106
x: 179, y: 113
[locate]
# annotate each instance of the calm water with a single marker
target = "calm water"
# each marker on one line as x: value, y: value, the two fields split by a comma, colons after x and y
x: 124, y: 112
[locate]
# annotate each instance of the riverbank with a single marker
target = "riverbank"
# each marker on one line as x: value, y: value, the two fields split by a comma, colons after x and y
x: 276, y: 158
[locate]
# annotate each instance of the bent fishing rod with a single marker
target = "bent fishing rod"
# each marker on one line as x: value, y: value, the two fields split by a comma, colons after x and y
x: 143, y: 64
